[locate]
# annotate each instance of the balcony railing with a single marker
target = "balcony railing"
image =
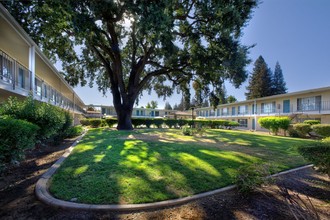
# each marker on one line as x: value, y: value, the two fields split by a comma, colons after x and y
x: 319, y: 108
x: 15, y: 76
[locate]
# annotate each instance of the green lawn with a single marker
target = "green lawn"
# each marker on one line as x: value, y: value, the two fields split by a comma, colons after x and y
x: 148, y: 165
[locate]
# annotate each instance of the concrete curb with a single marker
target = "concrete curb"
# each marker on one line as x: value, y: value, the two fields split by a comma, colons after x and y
x: 43, y: 194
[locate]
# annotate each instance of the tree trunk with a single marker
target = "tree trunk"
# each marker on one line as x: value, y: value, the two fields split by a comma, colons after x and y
x: 124, y: 115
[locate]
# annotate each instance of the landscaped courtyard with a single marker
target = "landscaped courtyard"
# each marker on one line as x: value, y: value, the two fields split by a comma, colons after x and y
x: 149, y: 165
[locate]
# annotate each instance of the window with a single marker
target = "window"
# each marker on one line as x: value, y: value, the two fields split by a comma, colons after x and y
x: 156, y: 113
x: 21, y: 78
x: 243, y: 109
x: 45, y: 91
x: 267, y: 107
x: 137, y: 113
x: 225, y: 111
x: 218, y: 112
x: 309, y: 104
x: 243, y: 122
x: 37, y: 88
x: 233, y: 111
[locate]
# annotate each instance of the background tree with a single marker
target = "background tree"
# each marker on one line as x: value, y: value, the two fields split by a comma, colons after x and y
x: 231, y: 99
x: 152, y: 105
x: 279, y: 85
x: 260, y: 82
x: 167, y: 106
x: 129, y: 46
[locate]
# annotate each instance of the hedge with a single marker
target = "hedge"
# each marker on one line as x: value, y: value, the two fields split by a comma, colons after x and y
x: 322, y: 129
x: 160, y: 122
x: 15, y: 136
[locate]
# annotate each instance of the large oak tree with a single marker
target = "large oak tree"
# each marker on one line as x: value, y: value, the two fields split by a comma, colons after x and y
x: 128, y: 46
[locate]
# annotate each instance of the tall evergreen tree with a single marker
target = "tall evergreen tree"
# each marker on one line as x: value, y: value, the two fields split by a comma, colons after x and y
x: 167, y: 106
x: 279, y: 85
x: 260, y: 82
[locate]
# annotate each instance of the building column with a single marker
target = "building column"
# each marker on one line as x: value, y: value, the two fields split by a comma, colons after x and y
x: 255, y: 115
x: 32, y: 68
x: 74, y: 105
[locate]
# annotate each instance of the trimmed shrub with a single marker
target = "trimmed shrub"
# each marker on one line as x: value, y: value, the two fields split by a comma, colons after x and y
x: 158, y: 122
x: 312, y: 122
x: 302, y: 129
x: 170, y: 122
x: 85, y: 122
x: 74, y: 131
x: 274, y: 124
x: 322, y: 129
x: 15, y: 136
x: 111, y: 121
x: 95, y: 123
x: 318, y: 153
x: 138, y: 122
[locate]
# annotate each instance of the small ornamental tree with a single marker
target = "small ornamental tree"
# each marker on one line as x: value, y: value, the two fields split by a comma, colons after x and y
x: 274, y: 124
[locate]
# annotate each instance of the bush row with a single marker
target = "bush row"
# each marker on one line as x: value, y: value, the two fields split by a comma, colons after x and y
x: 303, y: 129
x: 25, y: 123
x: 160, y: 122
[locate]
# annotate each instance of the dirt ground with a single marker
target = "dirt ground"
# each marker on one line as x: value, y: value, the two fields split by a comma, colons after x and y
x: 304, y: 194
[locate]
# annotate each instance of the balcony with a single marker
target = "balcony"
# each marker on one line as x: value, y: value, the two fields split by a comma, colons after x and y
x: 16, y: 78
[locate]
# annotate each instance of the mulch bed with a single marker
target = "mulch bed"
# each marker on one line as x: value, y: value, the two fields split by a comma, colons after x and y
x: 306, y: 191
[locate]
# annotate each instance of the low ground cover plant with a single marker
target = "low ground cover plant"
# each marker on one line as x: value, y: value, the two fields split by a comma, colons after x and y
x: 250, y: 178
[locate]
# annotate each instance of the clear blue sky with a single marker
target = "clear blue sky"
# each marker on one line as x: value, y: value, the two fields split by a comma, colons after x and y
x: 294, y: 32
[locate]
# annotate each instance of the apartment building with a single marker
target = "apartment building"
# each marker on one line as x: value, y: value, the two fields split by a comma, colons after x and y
x: 137, y: 112
x: 300, y: 106
x: 25, y: 70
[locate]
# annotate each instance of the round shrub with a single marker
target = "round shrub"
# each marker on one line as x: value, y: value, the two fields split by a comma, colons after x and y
x: 74, y: 131
x: 85, y: 122
x: 112, y: 121
x: 95, y: 123
x: 15, y: 136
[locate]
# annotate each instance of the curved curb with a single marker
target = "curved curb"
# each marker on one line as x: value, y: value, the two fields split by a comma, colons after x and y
x: 43, y: 194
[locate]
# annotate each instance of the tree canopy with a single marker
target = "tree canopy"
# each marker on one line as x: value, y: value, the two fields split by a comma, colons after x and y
x: 130, y: 46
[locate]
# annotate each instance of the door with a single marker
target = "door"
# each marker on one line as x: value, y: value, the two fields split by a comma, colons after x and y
x: 253, y: 124
x: 286, y: 106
